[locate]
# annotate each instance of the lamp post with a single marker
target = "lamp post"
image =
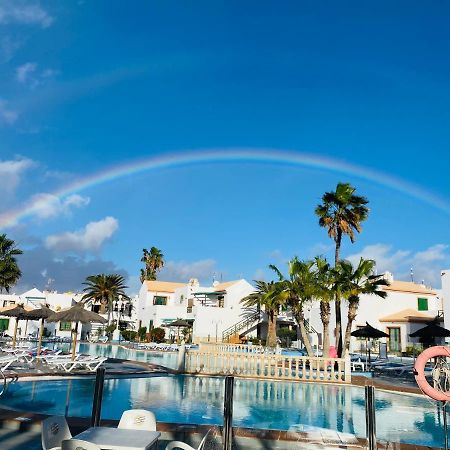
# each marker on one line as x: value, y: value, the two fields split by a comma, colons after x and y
x: 120, y: 307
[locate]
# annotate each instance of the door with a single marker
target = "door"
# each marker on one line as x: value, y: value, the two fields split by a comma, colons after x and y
x: 395, y: 344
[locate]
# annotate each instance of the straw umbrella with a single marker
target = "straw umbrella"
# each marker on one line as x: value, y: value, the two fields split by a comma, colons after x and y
x: 44, y: 312
x: 179, y: 323
x: 19, y: 312
x: 76, y: 314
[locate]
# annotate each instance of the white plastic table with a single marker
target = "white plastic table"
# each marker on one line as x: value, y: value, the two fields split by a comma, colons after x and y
x: 119, y: 438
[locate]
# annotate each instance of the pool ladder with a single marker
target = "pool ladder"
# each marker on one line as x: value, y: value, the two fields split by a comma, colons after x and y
x: 6, y: 383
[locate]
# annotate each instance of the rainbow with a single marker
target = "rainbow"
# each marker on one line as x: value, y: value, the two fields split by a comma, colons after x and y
x: 186, y: 158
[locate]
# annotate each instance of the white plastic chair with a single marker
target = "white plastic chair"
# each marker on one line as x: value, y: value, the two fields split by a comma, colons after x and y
x: 138, y: 419
x: 54, y: 431
x: 178, y: 444
x: 78, y: 444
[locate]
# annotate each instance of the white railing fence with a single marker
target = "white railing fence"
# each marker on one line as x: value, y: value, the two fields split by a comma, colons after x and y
x: 254, y: 365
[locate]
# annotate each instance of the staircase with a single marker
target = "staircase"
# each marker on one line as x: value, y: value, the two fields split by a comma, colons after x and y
x: 309, y: 328
x: 232, y: 334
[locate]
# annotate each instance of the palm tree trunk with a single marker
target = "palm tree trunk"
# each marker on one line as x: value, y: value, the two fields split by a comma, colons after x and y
x: 352, y: 311
x: 271, y: 329
x: 300, y: 319
x: 41, y: 332
x: 337, y: 303
x: 325, y: 317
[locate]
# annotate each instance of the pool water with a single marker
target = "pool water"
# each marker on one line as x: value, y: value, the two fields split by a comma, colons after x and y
x: 166, y: 359
x: 257, y: 404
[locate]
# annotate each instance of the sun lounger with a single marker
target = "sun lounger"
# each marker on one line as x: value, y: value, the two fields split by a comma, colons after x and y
x: 6, y: 361
x: 91, y: 364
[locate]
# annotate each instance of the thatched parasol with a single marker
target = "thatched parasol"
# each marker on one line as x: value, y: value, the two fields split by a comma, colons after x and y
x: 76, y: 314
x: 44, y: 312
x: 19, y: 312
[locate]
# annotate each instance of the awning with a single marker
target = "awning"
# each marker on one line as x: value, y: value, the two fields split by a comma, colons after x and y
x: 408, y: 315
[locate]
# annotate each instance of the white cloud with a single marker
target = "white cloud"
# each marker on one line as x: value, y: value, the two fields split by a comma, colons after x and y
x: 260, y: 274
x: 89, y: 239
x: 11, y: 172
x: 8, y: 47
x: 182, y: 271
x: 7, y: 115
x: 386, y: 259
x: 426, y: 264
x: 24, y: 72
x: 46, y: 206
x: 29, y: 74
x: 20, y: 12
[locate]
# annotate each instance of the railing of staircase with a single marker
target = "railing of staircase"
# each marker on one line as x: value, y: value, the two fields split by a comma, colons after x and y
x: 234, y: 329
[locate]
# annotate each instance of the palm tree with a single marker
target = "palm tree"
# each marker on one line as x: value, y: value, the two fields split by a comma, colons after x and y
x: 9, y: 270
x: 105, y: 289
x: 298, y: 289
x: 354, y: 282
x: 270, y: 297
x: 341, y: 212
x: 324, y: 283
x: 154, y: 262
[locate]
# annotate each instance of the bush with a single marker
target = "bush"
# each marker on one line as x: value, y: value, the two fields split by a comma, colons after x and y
x: 157, y: 334
x: 129, y: 335
x: 286, y: 336
x: 141, y: 333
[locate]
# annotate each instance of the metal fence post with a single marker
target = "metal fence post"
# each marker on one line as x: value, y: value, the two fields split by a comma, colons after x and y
x: 98, y: 396
x: 370, y: 418
x: 228, y: 414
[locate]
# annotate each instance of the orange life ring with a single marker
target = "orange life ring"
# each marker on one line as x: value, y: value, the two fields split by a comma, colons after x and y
x: 419, y: 372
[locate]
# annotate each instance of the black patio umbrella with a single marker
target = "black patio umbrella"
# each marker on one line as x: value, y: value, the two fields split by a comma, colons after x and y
x: 431, y: 331
x: 369, y: 332
x: 76, y: 314
x: 179, y: 323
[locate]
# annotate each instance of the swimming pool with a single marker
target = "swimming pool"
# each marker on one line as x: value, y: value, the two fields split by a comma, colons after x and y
x: 260, y: 404
x: 166, y: 359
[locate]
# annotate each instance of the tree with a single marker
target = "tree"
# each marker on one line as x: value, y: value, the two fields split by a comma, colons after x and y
x: 270, y: 297
x: 342, y: 213
x: 105, y: 289
x: 354, y: 282
x: 298, y: 290
x: 153, y: 261
x: 324, y: 292
x: 9, y: 269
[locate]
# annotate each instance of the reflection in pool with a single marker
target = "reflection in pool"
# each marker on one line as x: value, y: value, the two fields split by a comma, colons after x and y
x: 257, y: 404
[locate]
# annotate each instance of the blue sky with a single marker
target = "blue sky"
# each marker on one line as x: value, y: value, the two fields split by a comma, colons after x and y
x: 89, y: 85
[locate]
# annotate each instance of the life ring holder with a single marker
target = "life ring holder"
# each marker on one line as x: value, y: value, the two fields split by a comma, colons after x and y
x: 419, y: 372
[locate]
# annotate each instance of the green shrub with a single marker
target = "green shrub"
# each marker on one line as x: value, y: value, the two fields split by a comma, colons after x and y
x: 129, y: 335
x: 141, y: 333
x: 157, y: 334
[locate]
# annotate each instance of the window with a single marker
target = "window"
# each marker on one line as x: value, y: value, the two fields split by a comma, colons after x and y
x: 158, y: 300
x: 65, y: 326
x: 4, y: 323
x: 422, y: 304
x: 150, y: 325
x: 221, y: 301
x: 395, y: 344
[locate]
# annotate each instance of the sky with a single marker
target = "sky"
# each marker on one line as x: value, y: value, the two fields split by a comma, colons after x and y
x: 211, y: 130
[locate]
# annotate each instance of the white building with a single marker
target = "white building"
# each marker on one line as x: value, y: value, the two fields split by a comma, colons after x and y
x: 34, y: 299
x: 57, y: 302
x: 211, y: 309
x: 407, y: 307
